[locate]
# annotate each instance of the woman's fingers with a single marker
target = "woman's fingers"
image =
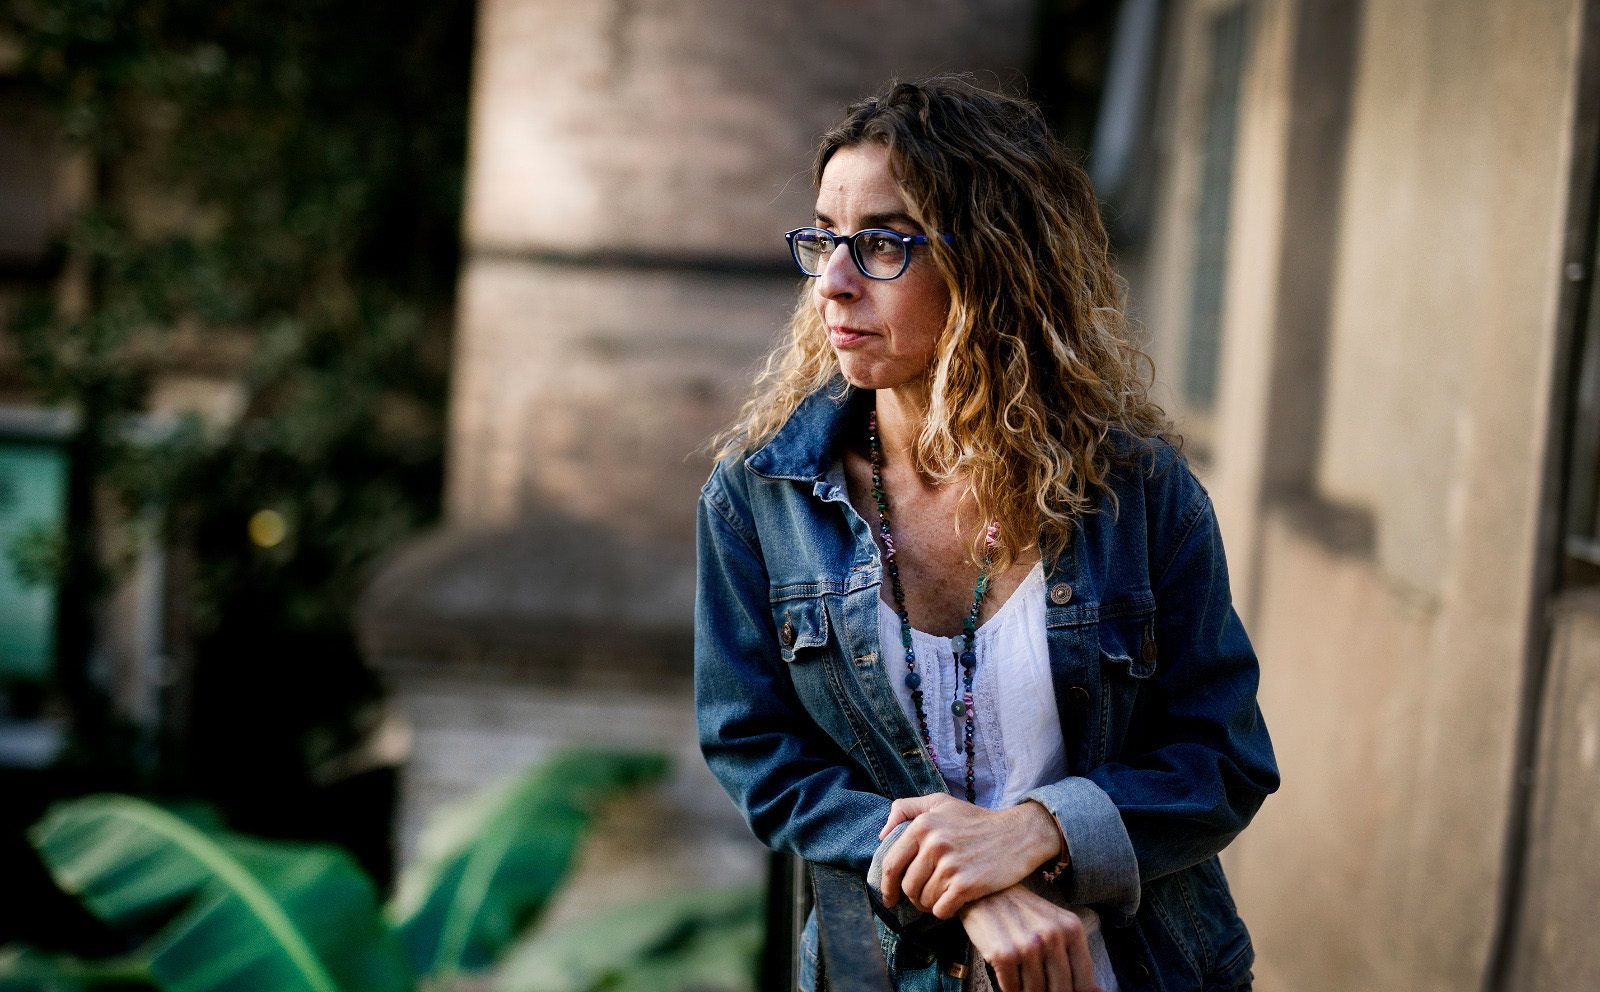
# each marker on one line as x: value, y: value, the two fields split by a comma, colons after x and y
x: 902, y: 810
x: 1072, y: 951
x: 895, y: 862
x: 965, y: 851
x: 1032, y: 944
x: 917, y: 880
x: 943, y: 903
x: 1032, y: 968
x: 907, y: 849
x: 950, y: 852
x: 1006, y: 976
x: 1060, y: 975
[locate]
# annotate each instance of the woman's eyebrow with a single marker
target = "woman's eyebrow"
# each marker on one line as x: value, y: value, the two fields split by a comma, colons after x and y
x: 894, y: 218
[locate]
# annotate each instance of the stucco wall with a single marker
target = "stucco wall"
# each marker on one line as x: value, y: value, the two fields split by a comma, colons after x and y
x: 1452, y: 221
x: 1556, y: 948
x: 1393, y: 673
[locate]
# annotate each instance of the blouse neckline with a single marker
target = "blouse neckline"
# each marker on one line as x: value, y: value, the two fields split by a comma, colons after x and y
x: 1025, y: 588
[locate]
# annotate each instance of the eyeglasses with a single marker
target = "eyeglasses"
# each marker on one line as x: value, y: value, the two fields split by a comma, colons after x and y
x: 879, y: 254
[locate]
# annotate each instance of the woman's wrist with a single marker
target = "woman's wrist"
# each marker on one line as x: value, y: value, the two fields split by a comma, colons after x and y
x: 1055, y: 857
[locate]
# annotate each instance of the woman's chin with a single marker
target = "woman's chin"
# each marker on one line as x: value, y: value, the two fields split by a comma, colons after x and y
x: 873, y: 375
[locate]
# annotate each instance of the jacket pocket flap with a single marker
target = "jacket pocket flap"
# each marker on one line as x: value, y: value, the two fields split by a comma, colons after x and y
x: 802, y: 624
x: 1130, y: 641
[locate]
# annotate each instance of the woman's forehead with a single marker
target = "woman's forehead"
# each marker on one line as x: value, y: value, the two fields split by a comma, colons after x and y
x: 857, y: 179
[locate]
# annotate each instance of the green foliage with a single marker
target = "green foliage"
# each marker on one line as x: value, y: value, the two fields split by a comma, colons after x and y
x: 219, y: 912
x: 24, y: 970
x: 282, y: 181
x: 273, y: 200
x: 35, y: 554
x: 228, y: 914
x: 700, y: 941
x: 489, y: 868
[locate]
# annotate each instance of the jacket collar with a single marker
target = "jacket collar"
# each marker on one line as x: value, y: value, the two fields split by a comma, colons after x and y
x: 807, y: 444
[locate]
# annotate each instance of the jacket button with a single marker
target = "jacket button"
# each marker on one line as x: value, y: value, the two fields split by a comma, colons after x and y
x: 1061, y: 594
x: 1149, y: 651
x: 1078, y: 696
x: 787, y: 634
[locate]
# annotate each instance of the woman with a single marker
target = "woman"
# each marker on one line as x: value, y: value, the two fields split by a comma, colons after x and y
x: 963, y: 619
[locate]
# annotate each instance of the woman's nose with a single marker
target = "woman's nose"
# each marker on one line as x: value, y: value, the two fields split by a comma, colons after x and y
x: 840, y: 278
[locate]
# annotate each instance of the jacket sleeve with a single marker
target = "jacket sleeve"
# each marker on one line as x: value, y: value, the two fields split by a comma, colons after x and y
x: 1197, y: 762
x: 796, y: 787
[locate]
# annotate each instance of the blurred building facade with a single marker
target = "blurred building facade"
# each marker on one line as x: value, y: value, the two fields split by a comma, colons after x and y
x: 1368, y: 283
x: 1361, y: 238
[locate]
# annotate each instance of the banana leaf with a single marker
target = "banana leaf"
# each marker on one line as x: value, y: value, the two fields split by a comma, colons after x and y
x: 229, y: 914
x: 696, y: 940
x: 23, y: 969
x: 488, y: 868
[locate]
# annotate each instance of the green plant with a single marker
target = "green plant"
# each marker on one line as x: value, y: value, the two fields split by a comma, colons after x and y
x: 227, y: 912
x: 489, y: 867
x: 25, y: 970
x: 218, y: 912
x: 266, y: 203
x: 706, y: 941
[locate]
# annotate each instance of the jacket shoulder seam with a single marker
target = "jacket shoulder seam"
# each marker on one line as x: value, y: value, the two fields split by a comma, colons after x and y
x: 1187, y: 522
x: 715, y: 496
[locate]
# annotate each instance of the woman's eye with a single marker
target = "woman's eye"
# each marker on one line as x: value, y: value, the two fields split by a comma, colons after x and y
x: 882, y: 244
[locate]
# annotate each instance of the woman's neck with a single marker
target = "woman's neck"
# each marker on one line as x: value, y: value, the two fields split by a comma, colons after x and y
x: 901, y: 413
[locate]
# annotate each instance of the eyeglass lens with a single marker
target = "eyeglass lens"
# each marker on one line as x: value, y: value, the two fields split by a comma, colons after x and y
x: 880, y: 254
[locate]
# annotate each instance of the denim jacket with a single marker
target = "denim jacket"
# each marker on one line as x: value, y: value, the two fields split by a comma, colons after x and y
x: 1155, y: 682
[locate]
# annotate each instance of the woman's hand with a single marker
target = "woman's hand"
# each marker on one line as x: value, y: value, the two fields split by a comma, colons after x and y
x: 1032, y: 944
x: 954, y: 852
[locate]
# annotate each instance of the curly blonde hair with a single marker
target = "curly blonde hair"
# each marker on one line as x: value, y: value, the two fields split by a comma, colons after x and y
x: 1035, y: 367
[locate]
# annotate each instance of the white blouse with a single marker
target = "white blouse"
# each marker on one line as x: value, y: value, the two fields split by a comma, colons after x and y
x: 1016, y: 728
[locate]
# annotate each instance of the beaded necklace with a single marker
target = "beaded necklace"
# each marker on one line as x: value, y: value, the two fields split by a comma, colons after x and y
x: 964, y: 644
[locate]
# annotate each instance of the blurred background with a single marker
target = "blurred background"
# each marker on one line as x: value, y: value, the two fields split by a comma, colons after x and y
x: 358, y: 359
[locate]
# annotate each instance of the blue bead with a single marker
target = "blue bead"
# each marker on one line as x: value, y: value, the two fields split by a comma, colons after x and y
x: 969, y: 659
x: 913, y: 680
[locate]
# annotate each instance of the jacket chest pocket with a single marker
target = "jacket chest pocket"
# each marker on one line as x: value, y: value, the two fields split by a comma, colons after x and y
x: 1129, y: 657
x: 810, y: 649
x: 802, y: 625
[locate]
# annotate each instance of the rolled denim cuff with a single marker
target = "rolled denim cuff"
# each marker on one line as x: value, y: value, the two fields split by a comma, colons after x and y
x: 1103, y: 869
x: 903, y: 912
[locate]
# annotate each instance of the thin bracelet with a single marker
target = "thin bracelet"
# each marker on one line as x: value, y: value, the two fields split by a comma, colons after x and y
x: 1054, y: 871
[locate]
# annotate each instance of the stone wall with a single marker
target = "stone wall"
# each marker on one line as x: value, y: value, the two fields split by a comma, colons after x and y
x: 1377, y: 455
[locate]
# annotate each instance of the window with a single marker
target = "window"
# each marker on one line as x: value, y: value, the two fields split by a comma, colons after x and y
x: 1227, y: 58
x: 1581, y: 531
x: 33, y: 500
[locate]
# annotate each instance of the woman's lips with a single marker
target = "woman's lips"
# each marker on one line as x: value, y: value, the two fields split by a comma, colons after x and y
x: 845, y: 337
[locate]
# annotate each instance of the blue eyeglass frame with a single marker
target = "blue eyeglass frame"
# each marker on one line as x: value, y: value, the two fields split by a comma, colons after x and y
x: 910, y: 241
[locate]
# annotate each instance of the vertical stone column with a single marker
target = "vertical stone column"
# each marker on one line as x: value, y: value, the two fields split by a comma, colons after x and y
x: 632, y: 167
